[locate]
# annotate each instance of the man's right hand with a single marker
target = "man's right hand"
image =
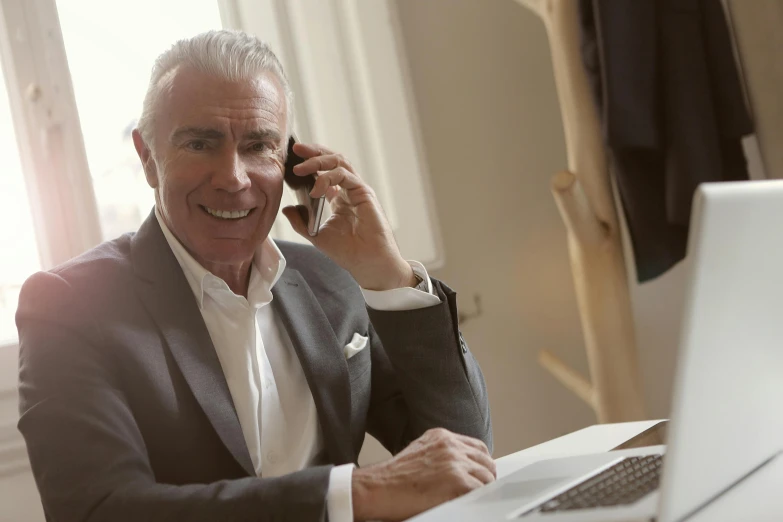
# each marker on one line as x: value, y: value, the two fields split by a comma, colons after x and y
x: 436, y: 467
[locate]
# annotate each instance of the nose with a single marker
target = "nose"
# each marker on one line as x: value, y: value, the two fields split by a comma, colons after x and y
x: 231, y: 174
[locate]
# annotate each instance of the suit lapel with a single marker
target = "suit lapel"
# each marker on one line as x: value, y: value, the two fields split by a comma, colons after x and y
x: 322, y: 360
x: 169, y: 299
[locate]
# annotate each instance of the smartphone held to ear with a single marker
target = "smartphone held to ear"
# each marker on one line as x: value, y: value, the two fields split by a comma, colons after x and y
x: 311, y: 209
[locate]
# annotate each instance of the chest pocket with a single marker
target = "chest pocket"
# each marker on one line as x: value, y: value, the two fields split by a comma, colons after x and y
x: 357, y: 355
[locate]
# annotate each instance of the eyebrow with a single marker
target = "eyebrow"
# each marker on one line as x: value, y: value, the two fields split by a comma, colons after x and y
x: 262, y: 135
x: 207, y: 133
x: 197, y: 132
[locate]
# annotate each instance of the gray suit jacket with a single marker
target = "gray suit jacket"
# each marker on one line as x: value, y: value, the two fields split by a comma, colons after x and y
x: 127, y: 414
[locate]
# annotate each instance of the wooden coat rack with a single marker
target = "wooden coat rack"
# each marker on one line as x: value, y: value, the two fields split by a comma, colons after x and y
x: 584, y: 196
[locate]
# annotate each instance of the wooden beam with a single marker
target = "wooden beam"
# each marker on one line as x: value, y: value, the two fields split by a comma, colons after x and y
x: 568, y: 377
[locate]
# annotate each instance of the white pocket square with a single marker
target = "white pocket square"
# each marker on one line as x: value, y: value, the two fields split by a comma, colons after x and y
x: 356, y: 345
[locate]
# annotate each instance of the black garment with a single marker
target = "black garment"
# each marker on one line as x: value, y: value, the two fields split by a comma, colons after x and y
x: 672, y: 108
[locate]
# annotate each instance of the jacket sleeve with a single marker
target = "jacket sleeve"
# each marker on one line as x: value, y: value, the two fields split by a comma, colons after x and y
x: 87, y: 453
x: 424, y: 376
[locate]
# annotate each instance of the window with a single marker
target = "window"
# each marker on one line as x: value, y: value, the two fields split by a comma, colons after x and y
x: 18, y: 250
x: 111, y: 47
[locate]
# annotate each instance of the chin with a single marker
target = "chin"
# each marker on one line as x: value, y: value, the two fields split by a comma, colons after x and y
x: 228, y: 251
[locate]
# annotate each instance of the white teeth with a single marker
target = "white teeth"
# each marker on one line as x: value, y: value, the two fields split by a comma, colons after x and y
x: 228, y: 214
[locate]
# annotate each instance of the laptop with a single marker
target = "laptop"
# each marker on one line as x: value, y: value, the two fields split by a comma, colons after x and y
x: 726, y: 421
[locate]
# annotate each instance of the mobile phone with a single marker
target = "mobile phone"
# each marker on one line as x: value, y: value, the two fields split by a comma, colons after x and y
x: 311, y: 209
x: 652, y: 436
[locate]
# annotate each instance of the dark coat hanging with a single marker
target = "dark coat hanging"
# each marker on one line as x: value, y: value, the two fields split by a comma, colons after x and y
x: 673, y: 112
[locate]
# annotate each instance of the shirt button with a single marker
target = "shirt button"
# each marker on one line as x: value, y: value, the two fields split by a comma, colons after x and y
x: 267, y: 385
x: 271, y: 457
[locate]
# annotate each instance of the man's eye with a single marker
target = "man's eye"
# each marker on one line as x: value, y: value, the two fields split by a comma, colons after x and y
x: 196, y: 145
x: 260, y: 147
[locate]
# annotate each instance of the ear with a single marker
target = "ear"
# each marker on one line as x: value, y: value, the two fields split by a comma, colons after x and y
x: 145, y: 155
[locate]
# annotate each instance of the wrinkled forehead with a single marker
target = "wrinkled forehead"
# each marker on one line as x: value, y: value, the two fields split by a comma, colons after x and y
x: 192, y: 98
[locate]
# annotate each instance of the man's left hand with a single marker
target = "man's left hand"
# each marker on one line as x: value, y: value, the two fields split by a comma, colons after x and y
x: 357, y: 235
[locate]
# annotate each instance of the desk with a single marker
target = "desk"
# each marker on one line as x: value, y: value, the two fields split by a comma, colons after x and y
x: 756, y: 499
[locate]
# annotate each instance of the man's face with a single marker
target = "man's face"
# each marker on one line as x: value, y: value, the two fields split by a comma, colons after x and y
x: 218, y: 177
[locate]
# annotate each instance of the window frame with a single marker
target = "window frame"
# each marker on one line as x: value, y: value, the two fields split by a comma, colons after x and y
x: 43, y: 108
x: 49, y: 138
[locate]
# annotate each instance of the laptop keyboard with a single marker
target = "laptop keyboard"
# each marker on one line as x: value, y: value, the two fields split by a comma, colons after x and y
x: 623, y: 483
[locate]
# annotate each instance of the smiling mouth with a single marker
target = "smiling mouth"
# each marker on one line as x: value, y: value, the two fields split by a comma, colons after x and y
x: 226, y: 214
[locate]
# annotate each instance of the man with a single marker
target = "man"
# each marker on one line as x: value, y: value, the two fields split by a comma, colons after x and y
x: 197, y: 370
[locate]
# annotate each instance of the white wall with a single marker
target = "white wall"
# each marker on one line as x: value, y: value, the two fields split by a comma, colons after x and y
x: 492, y: 135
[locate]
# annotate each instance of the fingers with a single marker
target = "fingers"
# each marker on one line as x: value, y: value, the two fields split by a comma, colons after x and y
x: 338, y: 176
x: 323, y: 162
x: 484, y: 460
x: 481, y: 474
x: 298, y: 222
x: 478, y: 447
x: 472, y: 482
x: 469, y: 448
x: 308, y: 150
x: 335, y: 170
x: 331, y: 193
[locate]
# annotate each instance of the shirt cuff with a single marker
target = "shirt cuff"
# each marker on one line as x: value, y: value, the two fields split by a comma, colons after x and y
x: 339, y: 504
x: 406, y: 298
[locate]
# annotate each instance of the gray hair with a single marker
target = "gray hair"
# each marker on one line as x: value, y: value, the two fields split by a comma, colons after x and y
x: 229, y: 55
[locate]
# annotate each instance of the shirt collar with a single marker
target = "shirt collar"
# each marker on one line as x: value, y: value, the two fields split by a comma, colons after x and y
x: 268, y: 265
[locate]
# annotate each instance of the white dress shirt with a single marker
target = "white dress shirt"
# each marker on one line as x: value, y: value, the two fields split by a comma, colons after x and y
x: 265, y: 378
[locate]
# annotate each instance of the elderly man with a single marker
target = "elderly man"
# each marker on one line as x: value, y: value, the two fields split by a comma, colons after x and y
x: 199, y: 370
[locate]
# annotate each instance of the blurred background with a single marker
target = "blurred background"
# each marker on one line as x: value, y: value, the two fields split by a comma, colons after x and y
x: 448, y: 107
